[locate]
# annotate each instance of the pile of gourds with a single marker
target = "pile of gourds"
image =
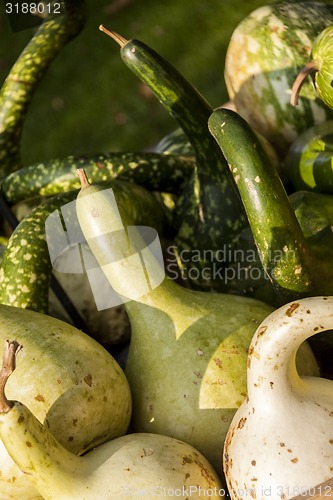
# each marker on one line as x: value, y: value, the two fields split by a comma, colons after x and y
x: 210, y: 258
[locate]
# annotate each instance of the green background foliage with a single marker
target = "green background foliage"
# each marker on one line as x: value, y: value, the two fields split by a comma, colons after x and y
x: 90, y: 102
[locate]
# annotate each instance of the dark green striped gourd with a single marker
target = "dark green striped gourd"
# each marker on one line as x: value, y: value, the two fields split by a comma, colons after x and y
x: 297, y: 265
x: 27, y: 72
x: 209, y: 214
x: 26, y: 267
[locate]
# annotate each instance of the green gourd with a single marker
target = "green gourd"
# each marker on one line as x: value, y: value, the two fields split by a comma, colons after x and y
x: 320, y: 67
x: 308, y: 163
x: 293, y: 236
x: 131, y: 466
x: 70, y: 382
x: 18, y: 89
x: 208, y: 214
x: 265, y: 52
x: 187, y: 358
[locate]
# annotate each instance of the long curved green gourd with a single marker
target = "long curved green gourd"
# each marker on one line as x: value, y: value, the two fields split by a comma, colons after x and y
x: 155, y: 171
x: 71, y: 384
x: 209, y: 213
x: 308, y: 163
x: 131, y: 466
x: 293, y: 235
x: 26, y: 267
x: 320, y: 67
x: 187, y: 357
x: 296, y: 268
x: 25, y: 75
x: 285, y: 425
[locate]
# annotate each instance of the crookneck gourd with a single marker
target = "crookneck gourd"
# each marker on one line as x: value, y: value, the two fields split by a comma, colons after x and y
x: 285, y: 425
x: 187, y: 357
x: 131, y: 466
x: 27, y: 72
x: 293, y: 235
x: 209, y: 214
x: 71, y: 384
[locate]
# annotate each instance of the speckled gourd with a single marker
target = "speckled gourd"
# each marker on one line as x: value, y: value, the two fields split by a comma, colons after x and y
x: 187, y: 358
x: 72, y: 385
x: 130, y: 466
x: 280, y: 442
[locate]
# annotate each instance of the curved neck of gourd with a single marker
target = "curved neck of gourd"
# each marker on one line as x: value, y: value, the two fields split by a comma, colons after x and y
x: 132, y: 264
x: 37, y: 453
x: 272, y: 373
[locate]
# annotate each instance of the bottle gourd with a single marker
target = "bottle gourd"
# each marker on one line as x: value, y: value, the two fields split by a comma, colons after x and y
x: 187, y: 357
x: 127, y: 467
x: 280, y: 442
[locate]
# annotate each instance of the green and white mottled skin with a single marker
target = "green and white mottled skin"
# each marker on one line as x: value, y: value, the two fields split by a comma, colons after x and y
x: 265, y: 53
x: 24, y: 77
x: 71, y: 384
x: 285, y: 425
x: 26, y: 268
x: 188, y: 352
x: 155, y: 171
x: 308, y: 163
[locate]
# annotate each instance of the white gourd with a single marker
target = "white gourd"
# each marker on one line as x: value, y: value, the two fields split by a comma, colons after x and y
x: 280, y: 441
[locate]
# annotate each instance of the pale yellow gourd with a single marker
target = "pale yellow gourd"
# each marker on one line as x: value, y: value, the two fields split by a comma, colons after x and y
x: 148, y: 466
x: 280, y: 442
x: 69, y: 381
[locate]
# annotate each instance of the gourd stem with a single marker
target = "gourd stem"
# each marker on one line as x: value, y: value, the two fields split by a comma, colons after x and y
x: 8, y: 366
x: 118, y: 38
x: 308, y: 69
x: 83, y: 178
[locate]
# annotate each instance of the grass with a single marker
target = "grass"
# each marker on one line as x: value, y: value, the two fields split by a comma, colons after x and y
x: 90, y: 102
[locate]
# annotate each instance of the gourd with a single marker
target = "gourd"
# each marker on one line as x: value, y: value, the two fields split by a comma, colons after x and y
x: 135, y: 465
x: 18, y: 89
x: 155, y: 171
x: 264, y: 55
x: 187, y: 358
x: 208, y: 213
x: 69, y: 381
x: 26, y: 267
x: 295, y: 250
x: 320, y: 67
x: 308, y: 163
x: 284, y: 426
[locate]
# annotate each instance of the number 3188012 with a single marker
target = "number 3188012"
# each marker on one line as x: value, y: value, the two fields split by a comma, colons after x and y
x: 41, y: 8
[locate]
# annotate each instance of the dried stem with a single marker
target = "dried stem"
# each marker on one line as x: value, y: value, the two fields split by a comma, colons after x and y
x: 8, y: 366
x: 118, y: 38
x: 83, y: 178
x: 309, y: 68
